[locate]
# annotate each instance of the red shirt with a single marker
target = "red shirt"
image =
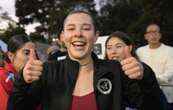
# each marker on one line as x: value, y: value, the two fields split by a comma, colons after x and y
x: 7, y: 77
x: 86, y: 102
x: 7, y: 74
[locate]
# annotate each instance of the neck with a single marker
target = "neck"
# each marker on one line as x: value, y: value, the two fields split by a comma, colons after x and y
x: 86, y: 67
x: 154, y: 46
x: 85, y: 64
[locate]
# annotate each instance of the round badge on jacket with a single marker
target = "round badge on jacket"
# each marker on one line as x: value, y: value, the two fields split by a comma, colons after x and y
x: 104, y: 86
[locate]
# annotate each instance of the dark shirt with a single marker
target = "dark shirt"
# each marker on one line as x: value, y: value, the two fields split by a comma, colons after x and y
x: 112, y: 88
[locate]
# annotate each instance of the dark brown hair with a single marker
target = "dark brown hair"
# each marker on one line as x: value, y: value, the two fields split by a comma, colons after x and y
x: 84, y: 12
x: 15, y: 43
x: 125, y: 38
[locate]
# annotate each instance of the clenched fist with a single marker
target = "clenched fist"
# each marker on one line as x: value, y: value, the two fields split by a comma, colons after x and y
x: 33, y: 68
x: 131, y: 66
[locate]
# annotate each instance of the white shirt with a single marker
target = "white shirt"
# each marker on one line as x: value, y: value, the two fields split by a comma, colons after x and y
x: 161, y: 61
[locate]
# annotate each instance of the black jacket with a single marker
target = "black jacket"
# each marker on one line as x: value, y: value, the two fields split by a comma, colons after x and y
x: 54, y: 89
x: 56, y: 56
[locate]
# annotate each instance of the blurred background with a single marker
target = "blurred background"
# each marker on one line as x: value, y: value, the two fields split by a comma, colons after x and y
x: 42, y: 19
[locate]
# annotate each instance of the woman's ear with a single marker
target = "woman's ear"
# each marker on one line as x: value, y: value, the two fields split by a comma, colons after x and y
x: 62, y: 36
x: 96, y: 36
x: 130, y: 48
x: 10, y: 56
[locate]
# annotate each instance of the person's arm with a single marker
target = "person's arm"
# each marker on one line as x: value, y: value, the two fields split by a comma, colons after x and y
x: 26, y: 90
x: 141, y: 89
x: 24, y: 96
x: 132, y: 95
x: 143, y: 94
x: 5, y: 87
x: 153, y: 97
x: 167, y: 76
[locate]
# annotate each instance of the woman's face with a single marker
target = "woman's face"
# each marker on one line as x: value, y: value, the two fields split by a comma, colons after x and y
x: 79, y: 35
x: 21, y: 56
x: 115, y: 49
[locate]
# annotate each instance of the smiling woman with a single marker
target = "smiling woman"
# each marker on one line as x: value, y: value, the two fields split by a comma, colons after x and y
x: 115, y: 45
x: 81, y: 81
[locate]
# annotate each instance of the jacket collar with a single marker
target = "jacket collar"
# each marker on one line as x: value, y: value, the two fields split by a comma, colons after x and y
x: 99, y: 65
x: 72, y: 70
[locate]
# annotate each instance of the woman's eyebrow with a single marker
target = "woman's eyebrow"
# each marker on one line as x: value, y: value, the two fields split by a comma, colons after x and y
x: 70, y: 25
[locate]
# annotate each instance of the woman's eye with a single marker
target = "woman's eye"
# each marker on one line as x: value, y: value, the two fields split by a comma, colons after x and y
x: 26, y: 52
x: 86, y: 28
x: 70, y: 29
x: 119, y: 46
x: 108, y: 48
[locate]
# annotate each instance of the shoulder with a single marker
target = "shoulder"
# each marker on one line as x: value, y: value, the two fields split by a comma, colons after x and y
x: 59, y: 67
x: 2, y: 70
x: 109, y: 63
x: 53, y: 65
x: 6, y: 70
x: 52, y: 71
x: 142, y: 48
x: 108, y: 67
x: 167, y: 49
x: 105, y: 64
x: 3, y: 74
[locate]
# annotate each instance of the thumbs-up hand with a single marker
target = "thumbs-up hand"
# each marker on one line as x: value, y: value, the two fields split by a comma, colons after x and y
x: 33, y: 68
x: 131, y: 66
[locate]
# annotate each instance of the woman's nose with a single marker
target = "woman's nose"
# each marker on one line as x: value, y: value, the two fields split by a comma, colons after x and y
x: 77, y: 33
x: 113, y: 51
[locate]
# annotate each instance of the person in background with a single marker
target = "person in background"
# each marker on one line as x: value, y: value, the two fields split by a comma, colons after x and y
x: 1, y: 57
x: 160, y: 58
x: 57, y: 51
x: 82, y: 81
x: 12, y: 62
x: 116, y: 46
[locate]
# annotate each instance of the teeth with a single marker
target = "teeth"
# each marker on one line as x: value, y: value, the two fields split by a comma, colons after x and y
x: 78, y: 43
x: 114, y: 58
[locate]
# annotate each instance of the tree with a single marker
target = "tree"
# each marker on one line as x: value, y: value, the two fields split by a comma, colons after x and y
x: 9, y: 28
x: 154, y: 11
x: 117, y: 16
x: 132, y: 16
x: 11, y: 31
x: 50, y: 13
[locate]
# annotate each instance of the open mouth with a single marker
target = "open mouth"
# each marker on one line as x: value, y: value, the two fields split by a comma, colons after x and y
x: 114, y: 58
x: 78, y: 43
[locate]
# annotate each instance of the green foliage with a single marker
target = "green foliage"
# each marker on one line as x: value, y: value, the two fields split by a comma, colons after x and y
x: 50, y: 13
x: 11, y: 31
x: 37, y: 37
x: 130, y: 16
